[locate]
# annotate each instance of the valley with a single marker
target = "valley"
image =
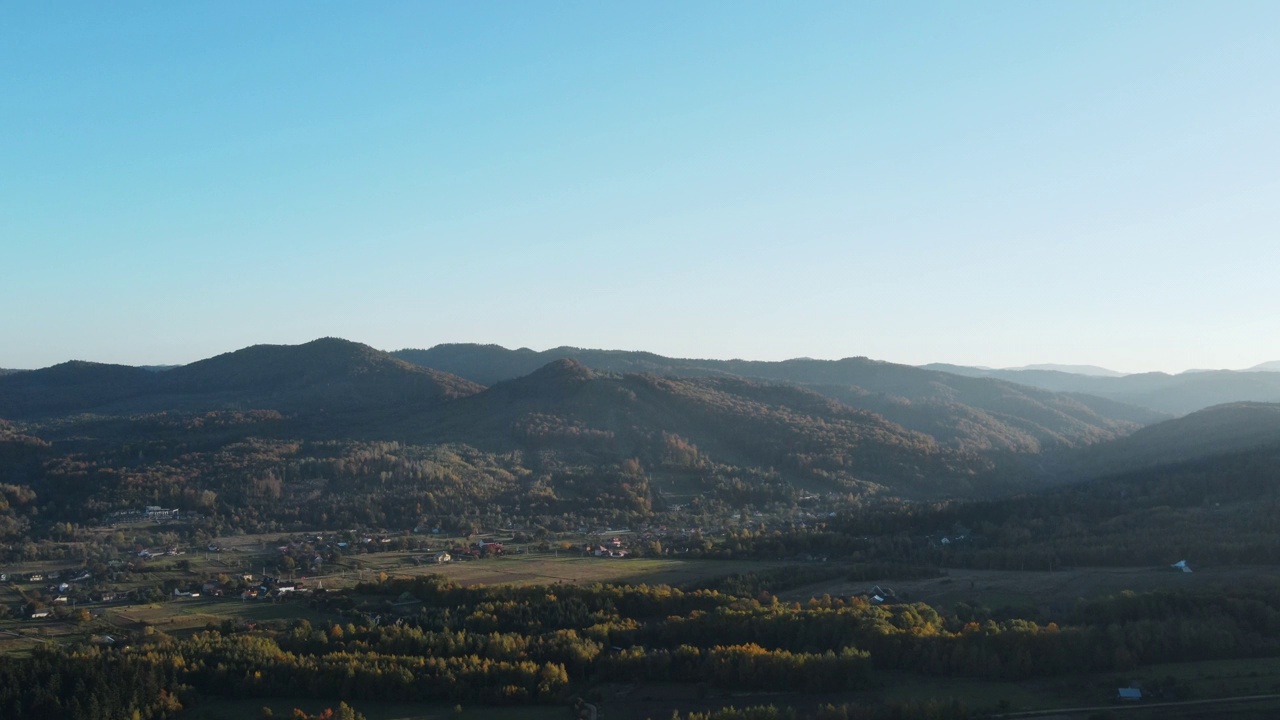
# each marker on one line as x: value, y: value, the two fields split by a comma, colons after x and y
x: 633, y: 532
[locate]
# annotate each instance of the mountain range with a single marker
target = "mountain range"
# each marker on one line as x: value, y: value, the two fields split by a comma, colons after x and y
x: 1092, y: 370
x: 854, y: 424
x: 1160, y: 392
x: 972, y: 413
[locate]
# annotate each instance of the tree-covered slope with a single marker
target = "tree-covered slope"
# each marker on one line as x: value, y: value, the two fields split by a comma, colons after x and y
x: 966, y: 413
x: 327, y: 375
x: 810, y: 439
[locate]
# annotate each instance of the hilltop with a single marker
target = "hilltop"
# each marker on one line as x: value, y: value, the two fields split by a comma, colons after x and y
x: 326, y: 375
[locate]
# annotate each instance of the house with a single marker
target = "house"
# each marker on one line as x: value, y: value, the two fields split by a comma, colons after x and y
x: 487, y: 549
x: 884, y: 593
x: 39, y: 614
x: 1129, y: 694
x: 155, y: 512
x: 442, y: 558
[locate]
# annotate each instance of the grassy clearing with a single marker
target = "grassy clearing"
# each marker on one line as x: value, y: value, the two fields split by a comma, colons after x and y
x: 532, y: 570
x: 543, y: 570
x: 1220, y: 678
x: 192, y: 614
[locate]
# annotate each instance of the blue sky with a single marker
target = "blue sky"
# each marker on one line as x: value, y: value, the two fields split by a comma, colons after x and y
x: 993, y: 183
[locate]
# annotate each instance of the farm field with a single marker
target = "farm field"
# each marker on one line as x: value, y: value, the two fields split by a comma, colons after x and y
x: 996, y: 589
x: 549, y: 569
x: 179, y: 615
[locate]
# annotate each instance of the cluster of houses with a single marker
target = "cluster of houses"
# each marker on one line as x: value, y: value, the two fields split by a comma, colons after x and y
x: 474, y: 551
x: 150, y: 513
x: 614, y: 548
x: 312, y: 551
x: 171, y: 551
x: 245, y: 587
x: 62, y: 593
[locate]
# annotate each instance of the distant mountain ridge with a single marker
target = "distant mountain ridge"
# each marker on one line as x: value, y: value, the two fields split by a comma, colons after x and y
x: 1172, y: 394
x: 1091, y: 370
x: 975, y: 413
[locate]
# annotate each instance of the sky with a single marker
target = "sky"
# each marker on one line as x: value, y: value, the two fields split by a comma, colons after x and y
x: 986, y: 183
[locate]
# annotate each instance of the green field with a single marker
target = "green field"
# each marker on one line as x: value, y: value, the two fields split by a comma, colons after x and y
x: 18, y: 635
x: 541, y: 569
x: 193, y: 613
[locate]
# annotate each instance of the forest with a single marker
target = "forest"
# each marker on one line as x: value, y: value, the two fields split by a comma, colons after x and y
x: 910, y: 475
x: 427, y: 639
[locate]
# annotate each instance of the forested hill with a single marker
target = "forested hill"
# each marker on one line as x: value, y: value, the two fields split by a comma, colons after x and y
x: 334, y: 431
x: 327, y: 375
x: 1219, y: 430
x: 594, y: 418
x: 68, y: 388
x: 1173, y: 394
x: 978, y: 414
x: 853, y: 425
x: 328, y: 378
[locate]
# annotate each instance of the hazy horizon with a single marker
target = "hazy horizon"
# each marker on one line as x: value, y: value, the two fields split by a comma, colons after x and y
x: 1025, y: 366
x: 996, y: 184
